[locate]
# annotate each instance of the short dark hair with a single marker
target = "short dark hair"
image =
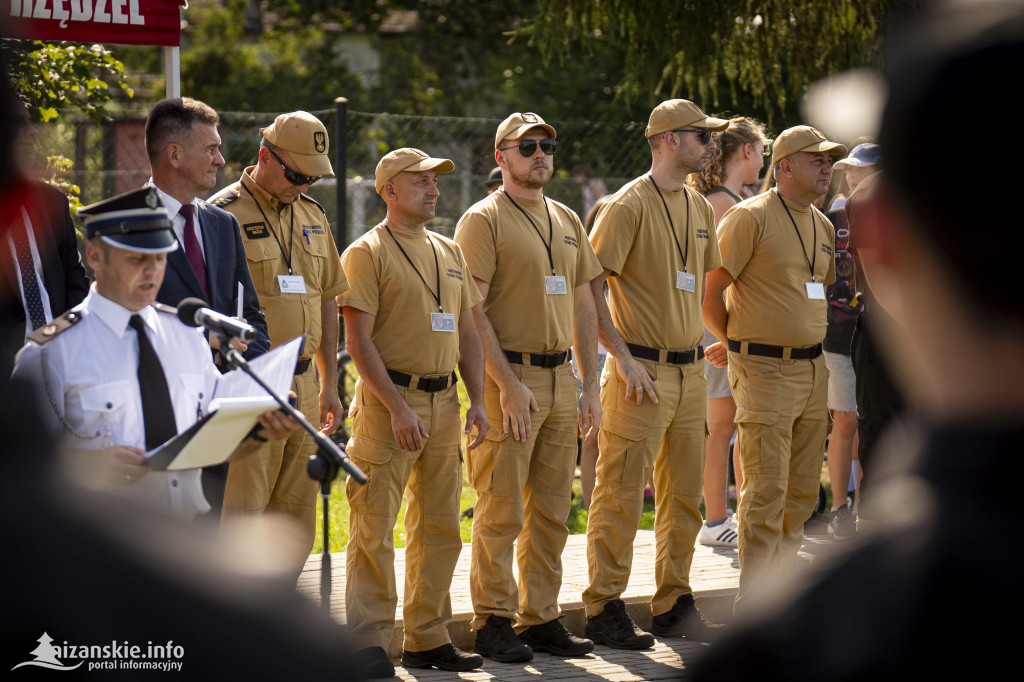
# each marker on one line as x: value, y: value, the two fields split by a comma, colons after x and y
x: 950, y: 70
x: 171, y: 121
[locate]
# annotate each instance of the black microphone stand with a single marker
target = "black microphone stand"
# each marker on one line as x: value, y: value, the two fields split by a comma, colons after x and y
x: 322, y: 467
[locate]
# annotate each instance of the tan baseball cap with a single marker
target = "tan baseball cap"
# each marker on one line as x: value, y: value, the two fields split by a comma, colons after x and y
x: 680, y: 113
x: 518, y: 124
x: 304, y: 137
x: 803, y: 139
x: 408, y: 159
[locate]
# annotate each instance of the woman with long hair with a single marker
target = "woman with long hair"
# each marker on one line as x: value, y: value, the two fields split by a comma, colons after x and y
x: 736, y: 161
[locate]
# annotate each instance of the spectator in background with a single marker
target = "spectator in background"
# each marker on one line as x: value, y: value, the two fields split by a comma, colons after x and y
x: 593, y: 188
x: 43, y: 275
x: 589, y: 451
x: 864, y: 160
x: 493, y: 180
x: 736, y: 162
x: 844, y: 307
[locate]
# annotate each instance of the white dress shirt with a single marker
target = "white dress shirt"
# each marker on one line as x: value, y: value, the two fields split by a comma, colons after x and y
x: 178, y: 221
x: 91, y: 373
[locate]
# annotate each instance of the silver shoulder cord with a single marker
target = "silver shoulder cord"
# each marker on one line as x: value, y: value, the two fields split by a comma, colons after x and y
x: 53, y: 403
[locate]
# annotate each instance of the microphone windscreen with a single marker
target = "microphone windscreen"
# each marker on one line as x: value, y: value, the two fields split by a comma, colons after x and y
x: 187, y: 310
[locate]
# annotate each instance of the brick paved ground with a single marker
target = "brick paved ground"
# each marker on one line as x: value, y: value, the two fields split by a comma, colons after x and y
x: 714, y: 576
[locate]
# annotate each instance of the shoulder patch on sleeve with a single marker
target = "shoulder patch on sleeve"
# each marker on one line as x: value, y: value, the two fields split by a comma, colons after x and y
x: 222, y: 200
x: 163, y: 308
x: 314, y: 201
x: 50, y: 331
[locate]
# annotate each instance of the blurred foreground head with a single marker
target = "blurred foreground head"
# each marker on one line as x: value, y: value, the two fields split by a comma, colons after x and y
x: 944, y: 72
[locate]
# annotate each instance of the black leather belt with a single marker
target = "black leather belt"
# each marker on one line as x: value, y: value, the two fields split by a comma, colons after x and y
x: 302, y: 365
x: 428, y: 384
x: 539, y: 359
x: 767, y: 351
x: 672, y: 357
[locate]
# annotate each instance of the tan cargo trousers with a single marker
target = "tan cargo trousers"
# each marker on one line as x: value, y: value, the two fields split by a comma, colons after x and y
x: 523, y: 497
x: 432, y: 482
x: 671, y: 438
x: 781, y: 423
x: 273, y: 480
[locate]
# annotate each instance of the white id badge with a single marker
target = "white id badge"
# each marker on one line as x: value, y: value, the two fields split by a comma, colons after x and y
x: 815, y: 290
x: 292, y: 284
x: 442, y: 322
x: 685, y: 281
x: 555, y: 284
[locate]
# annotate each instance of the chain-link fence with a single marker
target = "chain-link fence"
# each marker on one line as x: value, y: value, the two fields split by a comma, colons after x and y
x: 110, y: 158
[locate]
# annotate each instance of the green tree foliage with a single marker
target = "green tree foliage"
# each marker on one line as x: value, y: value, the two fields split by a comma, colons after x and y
x: 727, y: 53
x: 48, y: 76
x: 295, y: 61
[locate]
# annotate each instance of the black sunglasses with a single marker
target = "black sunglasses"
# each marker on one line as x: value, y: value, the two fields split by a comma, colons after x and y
x: 704, y: 133
x: 528, y: 147
x: 293, y: 177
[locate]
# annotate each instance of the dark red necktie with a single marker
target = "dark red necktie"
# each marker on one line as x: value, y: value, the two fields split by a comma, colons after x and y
x: 192, y: 250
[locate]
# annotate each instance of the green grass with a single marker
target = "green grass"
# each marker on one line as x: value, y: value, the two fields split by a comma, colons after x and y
x: 576, y: 523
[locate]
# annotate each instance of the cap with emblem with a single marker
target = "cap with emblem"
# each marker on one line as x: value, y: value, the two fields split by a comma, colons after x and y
x: 680, y: 113
x: 134, y: 221
x: 518, y: 124
x: 304, y: 137
x: 803, y: 139
x: 408, y: 159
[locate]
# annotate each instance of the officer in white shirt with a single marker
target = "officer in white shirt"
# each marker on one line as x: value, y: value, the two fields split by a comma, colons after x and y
x: 121, y: 373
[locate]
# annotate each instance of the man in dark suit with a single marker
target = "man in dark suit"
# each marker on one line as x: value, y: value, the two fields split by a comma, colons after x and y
x: 184, y: 153
x: 43, y: 276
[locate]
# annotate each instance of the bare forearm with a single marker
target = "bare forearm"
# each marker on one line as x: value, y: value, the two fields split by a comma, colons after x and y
x: 471, y: 360
x: 584, y: 332
x: 714, y: 311
x: 496, y: 363
x: 606, y: 331
x: 327, y: 353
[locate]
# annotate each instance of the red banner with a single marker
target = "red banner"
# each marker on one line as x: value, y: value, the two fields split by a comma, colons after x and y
x: 122, y: 22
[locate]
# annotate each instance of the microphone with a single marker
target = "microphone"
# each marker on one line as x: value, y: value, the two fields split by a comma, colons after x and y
x: 194, y: 313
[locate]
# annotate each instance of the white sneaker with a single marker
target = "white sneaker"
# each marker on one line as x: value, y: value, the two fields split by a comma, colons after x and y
x: 722, y: 535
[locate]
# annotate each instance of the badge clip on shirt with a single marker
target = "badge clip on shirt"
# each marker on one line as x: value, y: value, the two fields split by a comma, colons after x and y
x: 292, y: 284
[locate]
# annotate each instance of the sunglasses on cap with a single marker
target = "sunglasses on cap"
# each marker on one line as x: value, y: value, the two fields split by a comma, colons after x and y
x: 293, y: 177
x: 704, y: 134
x: 528, y: 147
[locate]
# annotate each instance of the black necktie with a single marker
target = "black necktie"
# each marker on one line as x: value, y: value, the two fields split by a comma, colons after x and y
x: 157, y: 411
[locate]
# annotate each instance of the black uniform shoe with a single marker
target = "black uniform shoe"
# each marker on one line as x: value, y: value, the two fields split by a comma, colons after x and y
x: 373, y: 662
x: 553, y: 638
x: 613, y: 627
x: 685, y: 620
x: 444, y: 657
x: 497, y: 640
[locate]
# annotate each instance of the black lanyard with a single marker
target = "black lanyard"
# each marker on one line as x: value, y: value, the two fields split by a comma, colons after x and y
x: 814, y: 228
x: 551, y: 229
x: 287, y: 256
x: 671, y: 226
x: 437, y: 296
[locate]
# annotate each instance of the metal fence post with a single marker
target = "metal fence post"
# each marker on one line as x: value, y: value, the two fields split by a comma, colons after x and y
x: 341, y: 169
